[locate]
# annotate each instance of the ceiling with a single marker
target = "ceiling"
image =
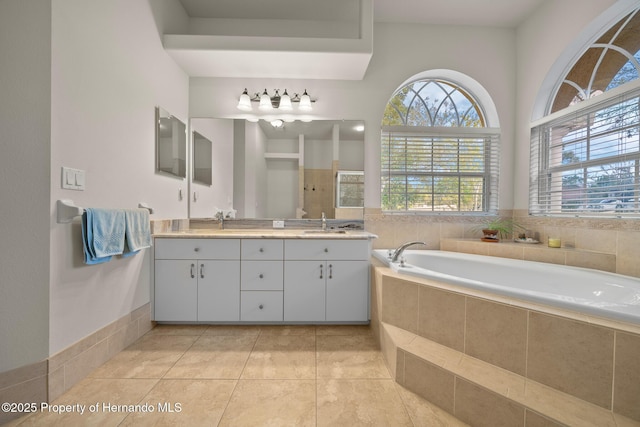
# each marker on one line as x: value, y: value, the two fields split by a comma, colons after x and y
x: 312, y: 39
x: 496, y: 13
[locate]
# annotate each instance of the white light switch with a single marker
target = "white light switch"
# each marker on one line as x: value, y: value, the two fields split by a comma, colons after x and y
x: 73, y: 179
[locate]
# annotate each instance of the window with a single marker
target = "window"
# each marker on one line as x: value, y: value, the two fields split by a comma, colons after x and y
x: 350, y: 189
x: 585, y: 157
x: 437, y: 155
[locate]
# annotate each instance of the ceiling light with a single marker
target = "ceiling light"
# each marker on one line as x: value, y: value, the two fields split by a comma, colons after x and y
x: 267, y: 102
x: 359, y: 128
x: 277, y: 123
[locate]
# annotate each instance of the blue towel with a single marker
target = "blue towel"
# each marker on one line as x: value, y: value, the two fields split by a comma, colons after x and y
x: 102, y: 234
x: 137, y: 231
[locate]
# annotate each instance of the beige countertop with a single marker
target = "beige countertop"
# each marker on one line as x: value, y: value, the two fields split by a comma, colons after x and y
x: 268, y: 234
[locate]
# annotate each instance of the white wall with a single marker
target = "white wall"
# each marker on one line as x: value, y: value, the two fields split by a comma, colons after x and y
x: 487, y: 55
x: 109, y: 70
x: 25, y: 94
x: 220, y: 193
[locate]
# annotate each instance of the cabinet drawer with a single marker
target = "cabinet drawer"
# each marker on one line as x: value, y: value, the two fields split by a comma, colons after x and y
x: 258, y: 249
x: 261, y: 306
x: 197, y: 248
x: 261, y: 275
x: 322, y: 249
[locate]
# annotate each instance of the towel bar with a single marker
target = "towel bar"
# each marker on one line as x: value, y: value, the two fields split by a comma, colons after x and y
x: 67, y: 210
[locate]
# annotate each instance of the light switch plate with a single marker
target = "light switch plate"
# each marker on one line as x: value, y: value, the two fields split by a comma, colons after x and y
x: 73, y: 179
x: 278, y: 224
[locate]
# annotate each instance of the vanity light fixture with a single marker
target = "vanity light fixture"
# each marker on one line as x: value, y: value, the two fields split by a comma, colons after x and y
x: 282, y: 102
x: 277, y: 123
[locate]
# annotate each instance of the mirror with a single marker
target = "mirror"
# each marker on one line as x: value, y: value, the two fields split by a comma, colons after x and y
x: 202, y: 159
x: 171, y: 145
x: 286, y: 172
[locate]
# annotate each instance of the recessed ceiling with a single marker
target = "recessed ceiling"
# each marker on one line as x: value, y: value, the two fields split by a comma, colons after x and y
x: 312, y: 39
x: 495, y: 13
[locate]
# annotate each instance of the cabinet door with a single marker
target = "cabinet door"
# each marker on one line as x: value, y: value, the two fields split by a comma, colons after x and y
x: 176, y: 290
x: 304, y: 290
x: 218, y: 290
x: 347, y: 291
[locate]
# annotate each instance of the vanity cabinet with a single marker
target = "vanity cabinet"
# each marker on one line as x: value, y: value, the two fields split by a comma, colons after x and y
x: 326, y: 281
x: 197, y: 280
x: 257, y: 280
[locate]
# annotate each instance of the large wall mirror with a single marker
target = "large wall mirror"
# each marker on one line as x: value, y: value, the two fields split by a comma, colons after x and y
x: 171, y: 144
x: 282, y: 170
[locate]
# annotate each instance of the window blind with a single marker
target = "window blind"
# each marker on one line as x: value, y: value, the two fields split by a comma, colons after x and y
x: 587, y: 162
x: 426, y: 169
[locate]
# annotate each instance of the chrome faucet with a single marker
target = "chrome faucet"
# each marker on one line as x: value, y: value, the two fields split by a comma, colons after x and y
x: 324, y: 222
x: 396, y: 254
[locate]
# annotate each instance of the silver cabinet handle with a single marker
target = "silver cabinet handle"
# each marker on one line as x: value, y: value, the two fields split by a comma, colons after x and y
x: 321, y: 267
x: 196, y: 249
x: 261, y: 306
x: 192, y: 273
x: 326, y: 249
x: 202, y: 271
x: 261, y: 249
x: 261, y: 275
x: 330, y: 271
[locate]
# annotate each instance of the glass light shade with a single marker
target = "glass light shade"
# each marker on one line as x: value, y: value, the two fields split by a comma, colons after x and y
x: 305, y: 102
x: 244, y: 103
x: 285, y: 102
x: 277, y: 123
x: 265, y: 101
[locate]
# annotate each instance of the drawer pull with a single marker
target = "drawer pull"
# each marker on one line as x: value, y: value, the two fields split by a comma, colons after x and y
x: 192, y: 273
x: 261, y: 306
x: 202, y: 271
x: 261, y: 249
x: 321, y: 267
x: 330, y: 271
x: 196, y: 249
x: 261, y: 275
x: 326, y: 249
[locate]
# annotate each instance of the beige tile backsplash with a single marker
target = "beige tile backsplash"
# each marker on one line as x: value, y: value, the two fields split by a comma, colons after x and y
x: 604, y: 244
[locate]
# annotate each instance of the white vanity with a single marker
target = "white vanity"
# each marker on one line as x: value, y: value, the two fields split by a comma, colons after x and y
x: 262, y: 276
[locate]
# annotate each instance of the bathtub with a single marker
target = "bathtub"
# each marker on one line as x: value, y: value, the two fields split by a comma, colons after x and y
x: 588, y: 291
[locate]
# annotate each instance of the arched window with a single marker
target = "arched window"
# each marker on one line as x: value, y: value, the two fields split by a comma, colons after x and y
x: 585, y: 155
x: 437, y: 153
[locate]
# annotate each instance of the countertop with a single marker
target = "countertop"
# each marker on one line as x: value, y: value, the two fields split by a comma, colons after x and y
x: 268, y: 234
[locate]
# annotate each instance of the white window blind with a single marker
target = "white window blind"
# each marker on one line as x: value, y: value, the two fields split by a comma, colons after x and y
x: 427, y: 169
x: 587, y: 162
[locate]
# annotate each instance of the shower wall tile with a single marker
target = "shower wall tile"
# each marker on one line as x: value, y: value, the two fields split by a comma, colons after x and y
x: 496, y: 333
x: 571, y: 356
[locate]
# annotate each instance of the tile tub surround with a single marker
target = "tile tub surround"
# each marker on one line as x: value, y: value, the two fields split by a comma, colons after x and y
x: 47, y: 380
x: 585, y: 240
x: 510, y: 352
x: 250, y: 375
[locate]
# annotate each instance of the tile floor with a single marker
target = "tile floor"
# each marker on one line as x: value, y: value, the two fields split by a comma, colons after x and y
x: 244, y: 376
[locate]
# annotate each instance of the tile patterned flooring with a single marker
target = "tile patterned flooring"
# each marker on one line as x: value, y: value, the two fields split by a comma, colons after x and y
x: 214, y: 375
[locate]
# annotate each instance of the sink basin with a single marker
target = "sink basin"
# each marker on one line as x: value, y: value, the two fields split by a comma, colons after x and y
x: 325, y: 231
